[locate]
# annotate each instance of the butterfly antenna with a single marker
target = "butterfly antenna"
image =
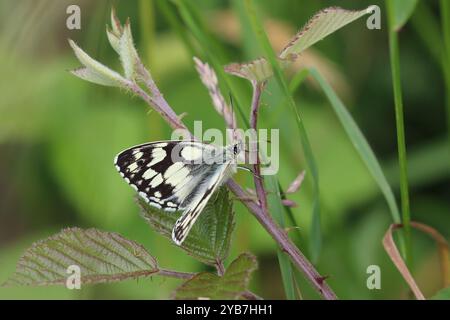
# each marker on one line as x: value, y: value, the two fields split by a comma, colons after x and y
x: 233, y: 118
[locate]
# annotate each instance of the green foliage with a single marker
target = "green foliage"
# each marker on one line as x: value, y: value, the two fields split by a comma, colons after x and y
x: 101, y: 256
x: 232, y: 285
x: 360, y: 143
x: 94, y: 71
x: 210, y: 237
x: 321, y: 25
x: 394, y: 22
x: 443, y: 294
x: 58, y: 135
x: 402, y: 10
x: 315, y: 234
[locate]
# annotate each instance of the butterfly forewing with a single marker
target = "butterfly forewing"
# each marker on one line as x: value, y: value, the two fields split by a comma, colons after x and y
x: 164, y: 173
x: 175, y: 175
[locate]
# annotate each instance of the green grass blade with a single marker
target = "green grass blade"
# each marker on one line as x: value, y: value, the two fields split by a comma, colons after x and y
x: 147, y: 28
x: 276, y: 209
x: 427, y: 28
x: 214, y: 53
x: 398, y: 102
x: 445, y: 13
x: 315, y: 234
x: 360, y: 143
x: 402, y: 11
x: 173, y: 20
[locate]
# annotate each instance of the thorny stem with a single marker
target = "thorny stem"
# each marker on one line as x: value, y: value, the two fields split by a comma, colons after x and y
x: 175, y: 274
x: 259, y: 183
x: 220, y: 268
x: 157, y: 101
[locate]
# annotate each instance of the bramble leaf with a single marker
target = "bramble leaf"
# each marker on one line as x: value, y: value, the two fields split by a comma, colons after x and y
x: 209, y: 238
x: 231, y: 285
x: 318, y: 27
x: 101, y: 257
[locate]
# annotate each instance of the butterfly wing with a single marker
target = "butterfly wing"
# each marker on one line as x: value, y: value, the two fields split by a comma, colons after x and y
x: 166, y: 174
x: 184, y: 224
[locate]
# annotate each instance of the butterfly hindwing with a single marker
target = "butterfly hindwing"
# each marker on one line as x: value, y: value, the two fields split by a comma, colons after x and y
x: 184, y: 224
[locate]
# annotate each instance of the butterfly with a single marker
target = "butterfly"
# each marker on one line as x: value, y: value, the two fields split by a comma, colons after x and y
x: 178, y: 176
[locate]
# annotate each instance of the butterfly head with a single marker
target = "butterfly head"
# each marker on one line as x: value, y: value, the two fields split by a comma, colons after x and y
x: 237, y: 148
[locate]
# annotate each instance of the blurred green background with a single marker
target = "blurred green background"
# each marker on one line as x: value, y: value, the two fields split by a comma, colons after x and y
x: 59, y: 135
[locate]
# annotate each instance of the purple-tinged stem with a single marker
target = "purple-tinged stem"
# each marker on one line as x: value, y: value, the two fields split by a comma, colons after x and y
x: 259, y: 183
x: 157, y: 101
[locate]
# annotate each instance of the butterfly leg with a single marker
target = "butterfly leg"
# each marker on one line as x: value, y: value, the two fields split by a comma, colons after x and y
x: 250, y: 170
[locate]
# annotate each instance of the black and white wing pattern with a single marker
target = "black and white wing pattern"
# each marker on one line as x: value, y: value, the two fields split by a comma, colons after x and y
x: 170, y: 175
x: 190, y: 215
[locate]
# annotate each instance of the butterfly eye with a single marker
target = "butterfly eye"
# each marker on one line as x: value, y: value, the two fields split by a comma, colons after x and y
x: 236, y: 149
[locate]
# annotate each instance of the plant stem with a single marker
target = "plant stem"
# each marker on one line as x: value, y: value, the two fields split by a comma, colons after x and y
x: 280, y: 236
x: 157, y: 101
x: 250, y: 296
x: 259, y: 183
x: 220, y: 268
x: 175, y: 274
x: 445, y: 16
x: 398, y: 101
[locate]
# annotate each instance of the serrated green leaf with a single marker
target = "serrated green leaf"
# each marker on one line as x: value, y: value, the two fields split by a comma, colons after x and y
x: 227, y: 287
x: 101, y: 256
x: 256, y: 70
x: 403, y: 9
x: 318, y: 27
x: 96, y: 70
x: 209, y: 238
x: 127, y: 52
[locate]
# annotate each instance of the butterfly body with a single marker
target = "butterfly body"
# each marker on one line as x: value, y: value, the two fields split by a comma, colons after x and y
x: 178, y: 176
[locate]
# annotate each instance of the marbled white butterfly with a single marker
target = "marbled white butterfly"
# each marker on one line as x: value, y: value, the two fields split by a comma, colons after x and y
x: 178, y: 176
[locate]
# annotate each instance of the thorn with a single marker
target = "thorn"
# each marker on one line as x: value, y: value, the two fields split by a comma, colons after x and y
x: 321, y: 280
x: 289, y: 229
x: 251, y: 191
x: 289, y: 203
x: 182, y: 115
